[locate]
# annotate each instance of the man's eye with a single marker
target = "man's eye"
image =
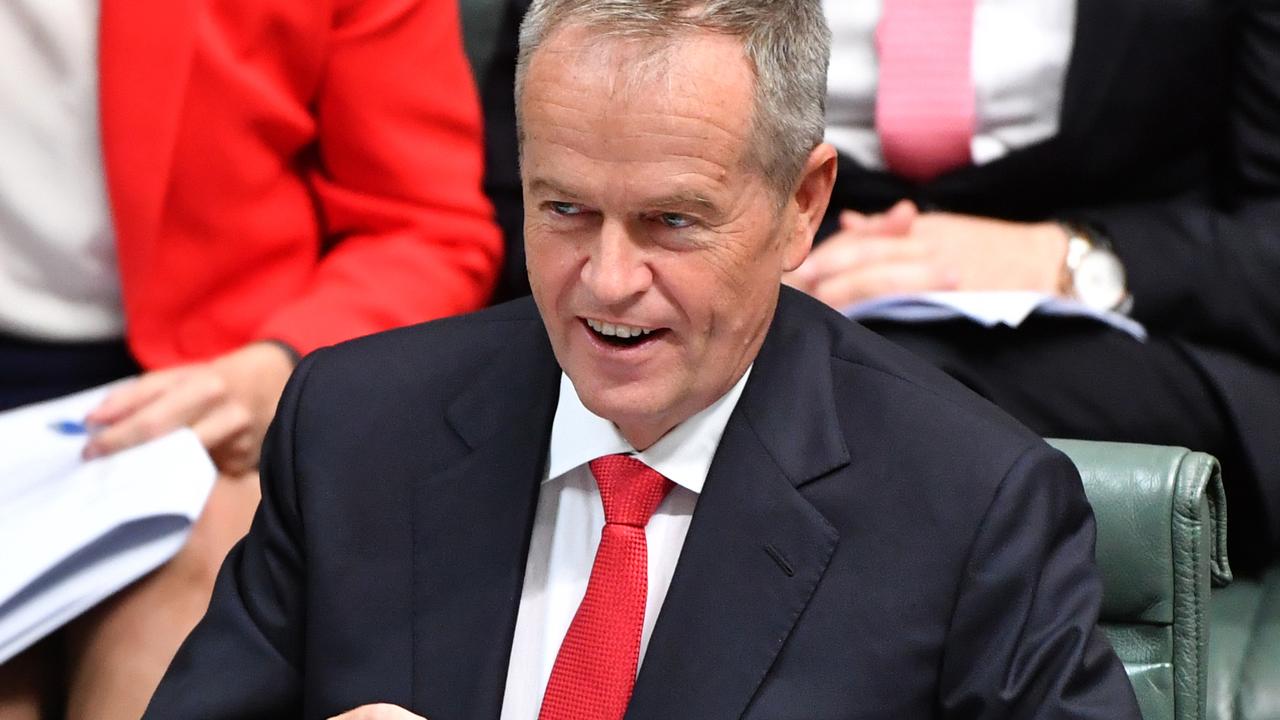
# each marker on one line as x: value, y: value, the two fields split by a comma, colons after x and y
x: 675, y: 221
x: 565, y: 208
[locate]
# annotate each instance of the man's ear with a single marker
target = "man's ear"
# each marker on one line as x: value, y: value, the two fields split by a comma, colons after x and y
x: 810, y: 199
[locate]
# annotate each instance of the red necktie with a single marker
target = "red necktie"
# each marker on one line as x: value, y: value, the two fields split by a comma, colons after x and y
x: 596, y: 666
x: 925, y: 105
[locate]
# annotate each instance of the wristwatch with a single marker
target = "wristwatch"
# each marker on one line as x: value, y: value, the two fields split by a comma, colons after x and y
x: 1092, y: 274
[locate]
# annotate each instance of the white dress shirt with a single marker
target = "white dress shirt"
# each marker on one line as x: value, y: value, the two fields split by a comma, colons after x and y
x: 570, y: 518
x: 58, y: 276
x: 1021, y: 49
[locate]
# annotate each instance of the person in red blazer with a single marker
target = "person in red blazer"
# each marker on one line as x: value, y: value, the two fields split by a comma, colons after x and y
x: 282, y: 175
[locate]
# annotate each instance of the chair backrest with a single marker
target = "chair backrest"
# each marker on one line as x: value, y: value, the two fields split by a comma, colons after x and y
x: 1162, y: 529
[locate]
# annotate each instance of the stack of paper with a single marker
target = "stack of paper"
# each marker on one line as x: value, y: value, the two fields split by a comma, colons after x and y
x: 1009, y: 308
x: 73, y: 532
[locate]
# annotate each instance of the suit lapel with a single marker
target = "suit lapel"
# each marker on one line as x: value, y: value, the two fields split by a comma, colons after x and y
x: 144, y: 60
x: 1104, y: 28
x: 471, y: 533
x: 756, y: 549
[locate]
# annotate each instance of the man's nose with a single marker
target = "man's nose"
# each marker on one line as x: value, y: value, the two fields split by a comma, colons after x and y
x: 617, y: 269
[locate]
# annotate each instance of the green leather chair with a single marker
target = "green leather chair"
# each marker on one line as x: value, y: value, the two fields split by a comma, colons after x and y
x: 1161, y: 518
x: 1244, y: 651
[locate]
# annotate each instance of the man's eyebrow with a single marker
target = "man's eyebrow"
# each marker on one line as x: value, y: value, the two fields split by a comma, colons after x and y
x: 684, y: 199
x: 544, y: 186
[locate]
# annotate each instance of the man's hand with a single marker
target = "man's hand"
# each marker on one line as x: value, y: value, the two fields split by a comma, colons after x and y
x: 905, y: 251
x: 227, y: 401
x: 381, y: 711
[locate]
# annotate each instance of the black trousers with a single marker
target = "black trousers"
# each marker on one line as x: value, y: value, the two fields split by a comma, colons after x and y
x: 31, y: 371
x: 1077, y: 378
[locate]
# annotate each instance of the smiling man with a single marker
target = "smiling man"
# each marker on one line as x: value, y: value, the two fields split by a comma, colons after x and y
x: 666, y: 487
x: 654, y: 238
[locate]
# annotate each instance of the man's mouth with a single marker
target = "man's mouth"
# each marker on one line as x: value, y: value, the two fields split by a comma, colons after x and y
x: 619, y: 335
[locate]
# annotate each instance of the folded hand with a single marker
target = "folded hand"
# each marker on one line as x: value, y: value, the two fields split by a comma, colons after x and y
x: 905, y: 251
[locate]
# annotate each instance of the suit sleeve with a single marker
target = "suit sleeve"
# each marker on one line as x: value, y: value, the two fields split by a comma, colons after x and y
x: 242, y: 660
x: 408, y: 233
x: 1204, y: 266
x: 1023, y: 640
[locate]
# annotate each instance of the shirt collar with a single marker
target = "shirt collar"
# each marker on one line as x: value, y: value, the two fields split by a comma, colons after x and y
x: 683, y: 455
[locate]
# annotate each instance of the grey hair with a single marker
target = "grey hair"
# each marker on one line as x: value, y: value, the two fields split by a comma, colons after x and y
x: 786, y: 41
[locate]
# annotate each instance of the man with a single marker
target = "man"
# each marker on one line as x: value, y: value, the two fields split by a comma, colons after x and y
x: 671, y: 489
x: 1146, y: 136
x: 198, y: 192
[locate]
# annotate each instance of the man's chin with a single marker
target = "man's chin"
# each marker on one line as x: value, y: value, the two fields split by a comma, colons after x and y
x: 635, y: 409
x: 619, y: 409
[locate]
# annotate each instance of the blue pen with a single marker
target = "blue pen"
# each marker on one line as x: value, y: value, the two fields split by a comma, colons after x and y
x: 70, y: 427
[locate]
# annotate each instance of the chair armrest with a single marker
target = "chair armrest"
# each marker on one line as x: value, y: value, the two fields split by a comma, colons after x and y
x: 1161, y: 517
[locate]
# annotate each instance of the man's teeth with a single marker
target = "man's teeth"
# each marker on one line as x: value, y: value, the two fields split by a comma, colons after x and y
x: 622, y: 331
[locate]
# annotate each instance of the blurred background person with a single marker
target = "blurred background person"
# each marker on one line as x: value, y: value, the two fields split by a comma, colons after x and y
x: 1035, y: 142
x: 201, y: 192
x: 1120, y: 153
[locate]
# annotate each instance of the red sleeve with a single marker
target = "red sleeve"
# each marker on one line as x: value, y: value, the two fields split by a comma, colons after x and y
x: 408, y: 233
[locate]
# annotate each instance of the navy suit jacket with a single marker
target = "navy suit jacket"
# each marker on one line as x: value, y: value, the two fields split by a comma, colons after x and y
x: 872, y: 541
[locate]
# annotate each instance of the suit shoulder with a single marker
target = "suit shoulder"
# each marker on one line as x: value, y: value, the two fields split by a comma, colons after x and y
x: 437, y: 349
x: 884, y: 391
x: 925, y: 449
x: 916, y: 379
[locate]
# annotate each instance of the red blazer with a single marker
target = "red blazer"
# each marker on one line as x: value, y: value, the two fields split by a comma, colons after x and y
x: 300, y: 170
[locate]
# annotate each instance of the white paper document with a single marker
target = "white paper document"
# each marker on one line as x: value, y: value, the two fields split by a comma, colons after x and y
x: 74, y: 532
x: 1010, y: 308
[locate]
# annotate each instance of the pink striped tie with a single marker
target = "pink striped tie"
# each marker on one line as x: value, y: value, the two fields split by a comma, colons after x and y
x: 925, y: 102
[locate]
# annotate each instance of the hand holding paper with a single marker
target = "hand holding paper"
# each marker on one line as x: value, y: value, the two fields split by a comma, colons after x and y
x: 75, y: 531
x: 228, y: 402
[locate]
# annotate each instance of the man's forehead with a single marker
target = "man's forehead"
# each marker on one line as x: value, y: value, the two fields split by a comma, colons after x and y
x: 610, y: 70
x: 611, y: 101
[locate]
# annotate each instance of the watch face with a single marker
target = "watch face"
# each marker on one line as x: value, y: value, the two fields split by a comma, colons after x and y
x: 1099, y: 280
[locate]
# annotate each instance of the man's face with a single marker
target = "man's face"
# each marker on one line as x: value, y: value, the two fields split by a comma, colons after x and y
x: 655, y: 248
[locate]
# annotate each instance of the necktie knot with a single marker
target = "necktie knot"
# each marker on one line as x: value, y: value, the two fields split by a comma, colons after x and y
x: 630, y: 490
